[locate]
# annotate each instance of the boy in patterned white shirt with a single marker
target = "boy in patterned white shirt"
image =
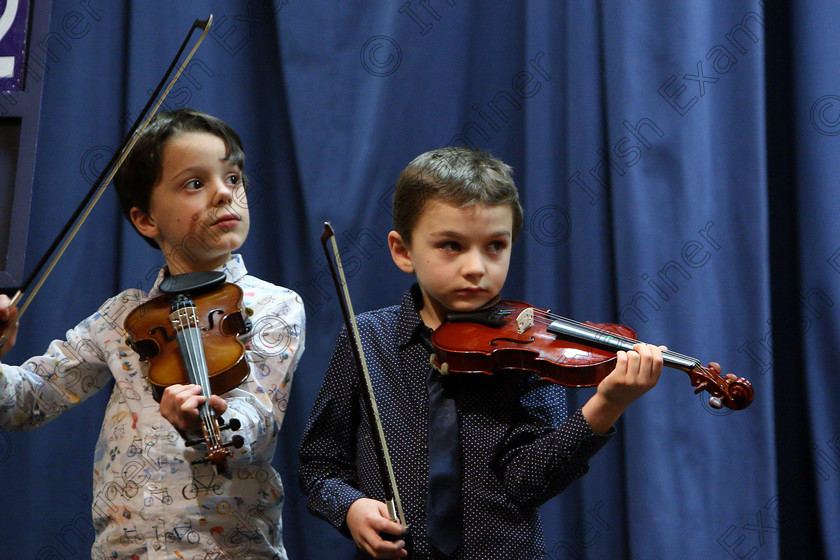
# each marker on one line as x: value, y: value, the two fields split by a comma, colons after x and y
x: 182, y: 188
x: 512, y: 444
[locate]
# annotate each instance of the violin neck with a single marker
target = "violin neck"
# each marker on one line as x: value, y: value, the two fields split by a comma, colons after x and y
x: 610, y: 341
x: 188, y: 334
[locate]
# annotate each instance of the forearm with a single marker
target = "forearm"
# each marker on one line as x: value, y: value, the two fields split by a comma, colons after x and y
x: 42, y: 388
x: 329, y: 494
x: 537, y: 470
x: 601, y: 414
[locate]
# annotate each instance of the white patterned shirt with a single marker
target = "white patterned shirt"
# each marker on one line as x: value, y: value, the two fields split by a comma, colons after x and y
x: 149, y: 501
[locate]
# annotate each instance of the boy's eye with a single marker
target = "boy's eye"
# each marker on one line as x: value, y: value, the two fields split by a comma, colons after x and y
x: 450, y: 246
x: 234, y: 179
x: 193, y: 185
x: 497, y: 246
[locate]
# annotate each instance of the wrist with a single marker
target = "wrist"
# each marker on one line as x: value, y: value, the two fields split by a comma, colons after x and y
x: 601, y: 413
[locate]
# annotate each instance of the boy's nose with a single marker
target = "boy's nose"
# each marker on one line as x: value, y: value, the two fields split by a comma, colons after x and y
x: 473, y: 264
x: 222, y: 193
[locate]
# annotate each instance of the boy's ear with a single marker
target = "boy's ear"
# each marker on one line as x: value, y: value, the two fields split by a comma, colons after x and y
x: 400, y: 252
x: 143, y: 222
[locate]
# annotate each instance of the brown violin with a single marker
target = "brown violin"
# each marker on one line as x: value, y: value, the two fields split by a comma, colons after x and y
x: 190, y: 335
x: 513, y: 335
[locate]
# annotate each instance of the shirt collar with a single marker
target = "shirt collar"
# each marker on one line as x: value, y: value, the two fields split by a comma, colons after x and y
x: 234, y: 270
x: 409, y: 322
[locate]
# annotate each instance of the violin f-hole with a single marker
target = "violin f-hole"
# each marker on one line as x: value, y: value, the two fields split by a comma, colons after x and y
x: 515, y: 341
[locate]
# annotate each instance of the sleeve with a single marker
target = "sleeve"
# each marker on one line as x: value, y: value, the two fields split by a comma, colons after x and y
x: 274, y: 348
x: 544, y: 451
x: 328, y: 473
x: 43, y: 387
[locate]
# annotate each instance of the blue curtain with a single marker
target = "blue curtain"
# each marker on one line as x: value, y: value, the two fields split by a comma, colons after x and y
x: 678, y: 166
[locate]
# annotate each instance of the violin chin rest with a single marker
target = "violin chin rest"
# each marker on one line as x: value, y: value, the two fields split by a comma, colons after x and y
x: 192, y: 282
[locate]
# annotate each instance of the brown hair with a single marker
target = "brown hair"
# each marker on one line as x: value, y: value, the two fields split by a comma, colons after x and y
x: 456, y: 175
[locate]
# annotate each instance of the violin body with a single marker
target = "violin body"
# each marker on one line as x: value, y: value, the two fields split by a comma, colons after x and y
x: 152, y: 335
x: 473, y: 347
x: 190, y: 334
x: 515, y: 336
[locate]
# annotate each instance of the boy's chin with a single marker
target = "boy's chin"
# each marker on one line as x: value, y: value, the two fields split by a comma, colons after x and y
x: 469, y: 304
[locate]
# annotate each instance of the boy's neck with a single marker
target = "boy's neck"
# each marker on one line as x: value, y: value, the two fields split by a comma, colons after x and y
x: 179, y: 267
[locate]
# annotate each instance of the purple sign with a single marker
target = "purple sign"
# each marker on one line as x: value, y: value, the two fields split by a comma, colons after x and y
x: 14, y: 17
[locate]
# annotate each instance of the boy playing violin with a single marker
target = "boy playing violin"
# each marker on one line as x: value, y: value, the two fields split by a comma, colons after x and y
x: 509, y: 445
x: 182, y: 187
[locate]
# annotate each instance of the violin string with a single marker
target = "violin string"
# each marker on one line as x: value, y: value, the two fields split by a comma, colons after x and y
x: 545, y: 318
x: 191, y: 351
x: 204, y: 377
x: 709, y: 374
x: 540, y: 316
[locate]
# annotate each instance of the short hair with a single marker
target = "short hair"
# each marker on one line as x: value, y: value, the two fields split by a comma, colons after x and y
x: 456, y: 175
x: 142, y: 169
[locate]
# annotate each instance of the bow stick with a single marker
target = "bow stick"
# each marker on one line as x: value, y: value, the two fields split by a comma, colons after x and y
x: 389, y: 483
x: 68, y: 232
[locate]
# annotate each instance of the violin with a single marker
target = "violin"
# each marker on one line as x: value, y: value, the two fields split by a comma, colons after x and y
x: 513, y: 335
x: 190, y: 334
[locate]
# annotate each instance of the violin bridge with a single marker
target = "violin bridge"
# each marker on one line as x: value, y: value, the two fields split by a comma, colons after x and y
x: 525, y: 320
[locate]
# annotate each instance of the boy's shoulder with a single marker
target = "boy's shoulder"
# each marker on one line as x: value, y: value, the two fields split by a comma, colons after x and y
x: 252, y: 282
x: 384, y: 314
x: 264, y: 294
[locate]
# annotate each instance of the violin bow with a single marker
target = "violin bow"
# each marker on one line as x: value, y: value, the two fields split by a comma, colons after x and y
x: 71, y: 228
x: 389, y: 483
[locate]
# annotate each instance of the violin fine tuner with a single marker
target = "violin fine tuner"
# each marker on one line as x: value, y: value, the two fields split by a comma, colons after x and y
x: 236, y: 441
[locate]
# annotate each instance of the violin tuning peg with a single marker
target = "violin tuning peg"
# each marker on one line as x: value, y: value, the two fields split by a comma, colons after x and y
x: 237, y: 441
x: 233, y: 425
x: 715, y: 402
x: 193, y: 442
x: 700, y: 388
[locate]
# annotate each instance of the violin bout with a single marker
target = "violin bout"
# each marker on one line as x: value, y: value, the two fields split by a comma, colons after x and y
x: 152, y: 334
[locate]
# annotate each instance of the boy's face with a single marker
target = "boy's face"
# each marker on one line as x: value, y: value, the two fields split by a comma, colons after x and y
x: 198, y: 212
x: 460, y: 256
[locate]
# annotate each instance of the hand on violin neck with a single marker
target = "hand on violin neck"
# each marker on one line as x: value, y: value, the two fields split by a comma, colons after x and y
x: 179, y: 405
x: 635, y: 373
x: 8, y: 325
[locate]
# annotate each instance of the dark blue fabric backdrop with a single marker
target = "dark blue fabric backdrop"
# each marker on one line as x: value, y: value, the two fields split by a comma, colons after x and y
x: 678, y: 166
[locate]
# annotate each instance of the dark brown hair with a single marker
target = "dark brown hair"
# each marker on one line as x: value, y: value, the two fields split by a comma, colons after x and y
x: 455, y: 175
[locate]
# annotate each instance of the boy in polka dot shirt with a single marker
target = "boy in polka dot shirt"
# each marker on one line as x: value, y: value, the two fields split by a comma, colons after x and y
x: 511, y: 444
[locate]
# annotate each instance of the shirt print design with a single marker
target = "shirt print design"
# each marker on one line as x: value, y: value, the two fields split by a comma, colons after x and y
x: 148, y: 500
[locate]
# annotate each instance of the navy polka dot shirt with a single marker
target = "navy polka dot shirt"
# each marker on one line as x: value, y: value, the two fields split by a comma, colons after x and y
x: 518, y: 447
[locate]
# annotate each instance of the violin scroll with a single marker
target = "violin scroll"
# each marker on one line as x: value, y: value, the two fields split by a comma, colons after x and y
x: 731, y: 391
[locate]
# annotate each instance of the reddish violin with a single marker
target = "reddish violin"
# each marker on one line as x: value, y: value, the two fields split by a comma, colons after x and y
x: 516, y: 336
x: 190, y: 335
